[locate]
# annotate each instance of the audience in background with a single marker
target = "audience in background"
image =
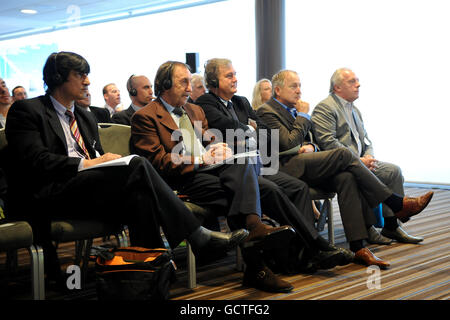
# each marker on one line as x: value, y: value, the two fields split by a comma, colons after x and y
x: 141, y: 93
x: 101, y: 114
x: 5, y: 102
x: 262, y: 92
x: 19, y: 93
x: 111, y: 94
x: 198, y: 88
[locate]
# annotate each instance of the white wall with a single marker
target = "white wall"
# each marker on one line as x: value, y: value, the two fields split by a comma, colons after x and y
x: 117, y: 49
x: 400, y: 51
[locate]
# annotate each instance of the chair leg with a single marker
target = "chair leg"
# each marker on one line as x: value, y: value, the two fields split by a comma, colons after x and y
x: 330, y: 220
x: 85, y: 265
x: 192, y: 272
x: 239, y: 259
x: 37, y: 272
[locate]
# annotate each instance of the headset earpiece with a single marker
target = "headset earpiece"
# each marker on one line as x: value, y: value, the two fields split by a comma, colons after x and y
x: 132, y: 91
x: 57, y: 77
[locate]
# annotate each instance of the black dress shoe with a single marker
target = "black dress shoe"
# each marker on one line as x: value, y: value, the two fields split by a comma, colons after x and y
x: 203, y: 237
x: 327, y: 260
x: 376, y: 238
x: 269, y: 238
x: 265, y: 280
x: 400, y: 235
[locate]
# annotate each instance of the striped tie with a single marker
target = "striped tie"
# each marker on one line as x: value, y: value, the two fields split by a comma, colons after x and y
x: 76, y: 134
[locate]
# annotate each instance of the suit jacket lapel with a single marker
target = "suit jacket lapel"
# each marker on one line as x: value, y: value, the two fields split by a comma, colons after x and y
x: 222, y: 107
x: 53, y: 120
x: 164, y: 116
x: 285, y: 117
x: 357, y: 123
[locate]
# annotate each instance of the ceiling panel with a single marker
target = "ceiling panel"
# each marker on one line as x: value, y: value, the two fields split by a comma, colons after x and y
x: 55, y: 14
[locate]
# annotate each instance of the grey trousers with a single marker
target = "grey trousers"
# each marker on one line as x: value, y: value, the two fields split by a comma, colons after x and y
x: 391, y: 175
x: 339, y: 170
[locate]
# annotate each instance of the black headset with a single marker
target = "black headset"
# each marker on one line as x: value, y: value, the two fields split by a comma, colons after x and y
x: 211, y: 78
x: 132, y: 91
x: 58, y: 79
x: 163, y: 82
x: 167, y: 80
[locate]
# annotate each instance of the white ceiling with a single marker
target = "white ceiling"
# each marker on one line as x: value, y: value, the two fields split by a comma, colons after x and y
x: 56, y: 14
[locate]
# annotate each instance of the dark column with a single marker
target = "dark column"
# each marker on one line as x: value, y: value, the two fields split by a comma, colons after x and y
x: 270, y: 37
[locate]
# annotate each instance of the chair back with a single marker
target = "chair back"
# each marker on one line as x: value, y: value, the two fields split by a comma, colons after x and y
x: 3, y: 141
x: 115, y: 138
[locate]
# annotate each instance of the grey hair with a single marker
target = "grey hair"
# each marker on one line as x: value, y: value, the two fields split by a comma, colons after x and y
x: 279, y: 78
x: 337, y: 78
x: 197, y: 78
x: 256, y: 98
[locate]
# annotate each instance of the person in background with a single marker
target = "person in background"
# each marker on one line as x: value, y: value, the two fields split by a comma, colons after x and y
x: 262, y: 92
x: 140, y: 90
x: 19, y: 93
x: 111, y: 94
x: 198, y: 88
x: 101, y: 114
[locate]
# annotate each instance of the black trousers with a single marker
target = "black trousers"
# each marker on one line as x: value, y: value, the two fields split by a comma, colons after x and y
x: 134, y: 195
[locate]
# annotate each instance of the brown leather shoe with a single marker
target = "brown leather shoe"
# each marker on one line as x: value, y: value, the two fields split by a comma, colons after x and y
x: 366, y: 257
x: 413, y: 206
x: 265, y: 280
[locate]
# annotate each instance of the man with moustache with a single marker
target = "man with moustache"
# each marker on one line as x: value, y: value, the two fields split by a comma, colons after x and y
x: 141, y: 93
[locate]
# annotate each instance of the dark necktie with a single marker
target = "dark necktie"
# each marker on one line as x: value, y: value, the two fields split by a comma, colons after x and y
x: 188, y: 132
x: 232, y: 111
x: 76, y: 134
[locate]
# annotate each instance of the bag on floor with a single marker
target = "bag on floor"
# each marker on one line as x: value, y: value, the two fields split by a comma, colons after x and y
x: 134, y: 273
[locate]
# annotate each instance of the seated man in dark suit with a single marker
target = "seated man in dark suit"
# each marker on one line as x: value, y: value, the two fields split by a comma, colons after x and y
x: 101, y: 114
x: 228, y: 112
x: 174, y: 136
x: 340, y: 170
x: 141, y: 93
x: 51, y: 142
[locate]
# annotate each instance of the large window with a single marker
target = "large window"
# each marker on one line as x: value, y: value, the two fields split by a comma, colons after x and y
x: 400, y: 52
x: 117, y: 49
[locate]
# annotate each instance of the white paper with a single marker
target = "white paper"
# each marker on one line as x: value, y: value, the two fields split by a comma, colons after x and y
x: 124, y: 161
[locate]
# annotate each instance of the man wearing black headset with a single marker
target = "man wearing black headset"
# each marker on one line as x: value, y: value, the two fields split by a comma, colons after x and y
x: 141, y: 93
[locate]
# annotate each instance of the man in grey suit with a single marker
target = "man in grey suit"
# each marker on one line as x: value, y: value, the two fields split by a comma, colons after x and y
x: 339, y: 170
x: 336, y: 123
x: 141, y: 93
